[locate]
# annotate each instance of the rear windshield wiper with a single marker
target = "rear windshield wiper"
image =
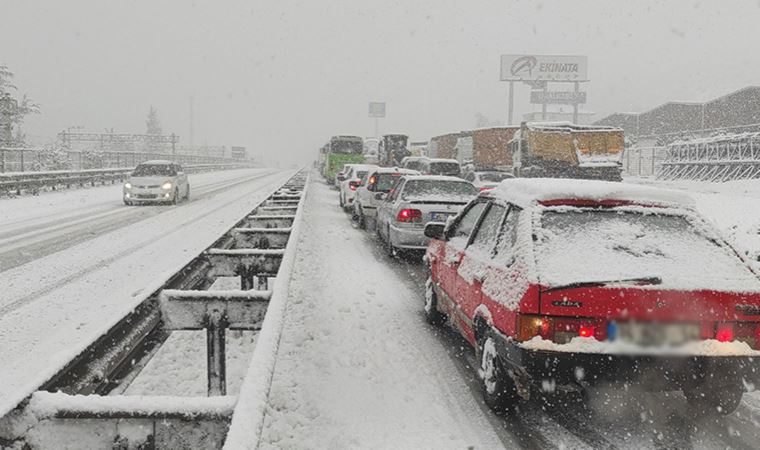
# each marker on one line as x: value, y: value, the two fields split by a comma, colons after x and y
x: 640, y: 281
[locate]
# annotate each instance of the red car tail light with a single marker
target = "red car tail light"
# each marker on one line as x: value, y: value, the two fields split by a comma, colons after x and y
x: 560, y: 330
x: 532, y: 326
x: 485, y: 188
x: 353, y: 185
x: 409, y: 215
x: 724, y: 332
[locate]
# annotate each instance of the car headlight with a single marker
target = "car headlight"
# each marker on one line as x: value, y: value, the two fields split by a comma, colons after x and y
x: 167, y: 185
x: 128, y: 185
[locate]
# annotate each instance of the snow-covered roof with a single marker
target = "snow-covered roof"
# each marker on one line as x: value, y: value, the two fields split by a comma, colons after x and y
x: 568, y: 126
x: 442, y: 160
x: 525, y: 192
x: 723, y: 137
x: 157, y: 161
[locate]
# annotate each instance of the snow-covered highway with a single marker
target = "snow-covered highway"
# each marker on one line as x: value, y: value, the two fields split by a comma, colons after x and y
x: 58, y: 302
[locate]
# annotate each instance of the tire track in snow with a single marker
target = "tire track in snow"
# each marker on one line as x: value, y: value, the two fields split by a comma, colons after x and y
x: 58, y: 283
x: 56, y: 236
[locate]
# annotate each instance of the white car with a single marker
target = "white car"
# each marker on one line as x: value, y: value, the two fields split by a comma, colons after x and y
x: 156, y: 182
x: 416, y: 200
x: 377, y: 180
x: 486, y: 179
x: 351, y: 181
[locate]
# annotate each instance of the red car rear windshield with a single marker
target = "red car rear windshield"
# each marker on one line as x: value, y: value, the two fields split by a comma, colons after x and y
x: 578, y: 245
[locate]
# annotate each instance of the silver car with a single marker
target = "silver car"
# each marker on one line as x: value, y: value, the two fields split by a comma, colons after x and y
x: 156, y: 182
x: 413, y: 202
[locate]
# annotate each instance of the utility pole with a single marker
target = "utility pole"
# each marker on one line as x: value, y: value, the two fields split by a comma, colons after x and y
x: 192, y: 120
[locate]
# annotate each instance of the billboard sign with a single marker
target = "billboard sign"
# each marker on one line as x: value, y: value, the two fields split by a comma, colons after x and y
x: 377, y: 109
x: 237, y: 152
x: 543, y: 67
x: 557, y: 97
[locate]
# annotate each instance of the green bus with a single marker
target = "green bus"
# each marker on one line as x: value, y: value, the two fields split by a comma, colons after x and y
x: 339, y: 151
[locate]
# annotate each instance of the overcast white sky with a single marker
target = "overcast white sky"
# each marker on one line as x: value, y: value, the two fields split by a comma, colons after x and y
x: 281, y: 76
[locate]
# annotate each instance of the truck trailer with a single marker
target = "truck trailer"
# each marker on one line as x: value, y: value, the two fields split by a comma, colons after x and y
x: 566, y: 150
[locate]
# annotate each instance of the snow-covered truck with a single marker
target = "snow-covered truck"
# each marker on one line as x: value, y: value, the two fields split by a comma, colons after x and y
x: 566, y: 150
x: 341, y: 150
x: 485, y: 148
x: 392, y: 149
x: 442, y: 146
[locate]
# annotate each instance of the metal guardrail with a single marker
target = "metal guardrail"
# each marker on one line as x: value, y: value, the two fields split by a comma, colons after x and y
x: 34, y: 182
x: 73, y: 400
x: 37, y: 159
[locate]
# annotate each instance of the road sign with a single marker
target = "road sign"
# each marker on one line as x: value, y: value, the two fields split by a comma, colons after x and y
x: 557, y: 97
x: 238, y: 152
x: 377, y: 109
x: 543, y: 67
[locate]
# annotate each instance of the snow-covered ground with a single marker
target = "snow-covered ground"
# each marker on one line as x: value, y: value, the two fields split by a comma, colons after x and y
x: 55, y: 305
x: 358, y: 367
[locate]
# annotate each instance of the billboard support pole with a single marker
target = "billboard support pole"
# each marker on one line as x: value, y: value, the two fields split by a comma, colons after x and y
x: 543, y: 105
x: 511, y: 102
x: 575, y: 105
x: 376, y: 127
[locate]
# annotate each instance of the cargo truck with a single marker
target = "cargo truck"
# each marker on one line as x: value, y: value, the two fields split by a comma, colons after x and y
x: 443, y: 146
x: 485, y: 148
x: 565, y: 150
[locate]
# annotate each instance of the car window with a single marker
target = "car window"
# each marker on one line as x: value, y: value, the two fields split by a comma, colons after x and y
x: 386, y: 180
x: 459, y: 235
x: 440, y: 188
x: 484, y: 241
x: 150, y: 170
x: 393, y: 192
x: 470, y: 177
x: 507, y: 239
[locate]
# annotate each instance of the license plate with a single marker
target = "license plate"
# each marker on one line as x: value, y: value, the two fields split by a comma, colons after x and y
x: 656, y: 334
x: 439, y: 216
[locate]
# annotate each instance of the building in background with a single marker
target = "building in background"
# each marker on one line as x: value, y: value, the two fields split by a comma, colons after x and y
x: 737, y: 111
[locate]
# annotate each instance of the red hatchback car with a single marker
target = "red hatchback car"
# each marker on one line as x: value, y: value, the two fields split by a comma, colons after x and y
x: 572, y: 283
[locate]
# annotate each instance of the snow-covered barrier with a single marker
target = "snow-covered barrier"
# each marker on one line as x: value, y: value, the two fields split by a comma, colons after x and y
x: 248, y: 418
x: 88, y: 404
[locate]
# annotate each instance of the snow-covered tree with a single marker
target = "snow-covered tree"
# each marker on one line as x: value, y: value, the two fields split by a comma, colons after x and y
x: 25, y: 106
x: 153, y: 127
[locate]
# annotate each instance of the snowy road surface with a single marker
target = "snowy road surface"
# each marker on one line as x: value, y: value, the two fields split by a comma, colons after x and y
x: 53, y: 306
x: 358, y: 366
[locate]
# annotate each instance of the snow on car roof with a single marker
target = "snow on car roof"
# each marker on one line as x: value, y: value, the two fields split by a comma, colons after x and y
x: 396, y: 170
x: 525, y: 192
x: 435, y: 177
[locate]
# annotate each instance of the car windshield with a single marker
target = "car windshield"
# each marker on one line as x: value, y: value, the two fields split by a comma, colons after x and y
x: 153, y: 170
x: 585, y: 245
x: 494, y: 177
x: 444, y: 168
x: 360, y: 174
x: 438, y: 188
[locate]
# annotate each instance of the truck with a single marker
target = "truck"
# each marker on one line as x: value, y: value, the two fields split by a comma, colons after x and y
x: 442, y: 146
x: 485, y: 148
x: 392, y: 149
x: 341, y: 150
x: 566, y: 150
